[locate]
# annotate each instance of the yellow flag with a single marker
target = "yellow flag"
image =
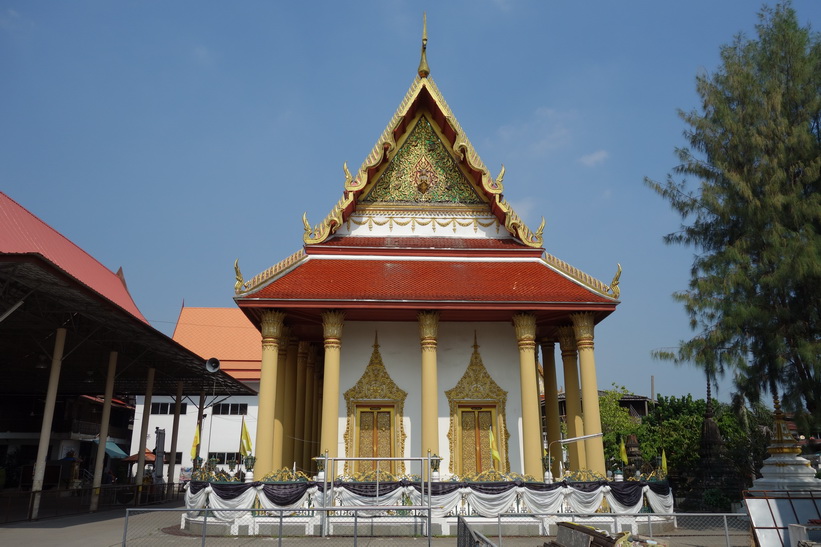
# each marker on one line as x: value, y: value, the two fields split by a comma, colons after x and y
x: 493, y: 452
x: 663, y: 461
x: 196, y: 442
x: 244, y: 440
x: 622, y: 452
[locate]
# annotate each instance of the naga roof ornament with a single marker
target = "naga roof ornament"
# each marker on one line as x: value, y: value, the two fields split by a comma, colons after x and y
x: 423, y: 95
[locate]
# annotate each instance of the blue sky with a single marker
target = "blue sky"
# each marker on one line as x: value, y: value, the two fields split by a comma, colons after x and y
x: 171, y: 138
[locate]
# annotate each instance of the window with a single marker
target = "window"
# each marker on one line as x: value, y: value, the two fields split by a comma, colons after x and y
x: 167, y: 408
x: 224, y: 457
x: 231, y: 408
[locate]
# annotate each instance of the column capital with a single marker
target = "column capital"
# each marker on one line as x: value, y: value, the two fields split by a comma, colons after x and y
x: 583, y: 329
x: 428, y: 329
x: 525, y: 325
x: 332, y: 323
x: 271, y: 323
x: 567, y: 339
x: 428, y: 324
x: 303, y: 349
x: 284, y: 336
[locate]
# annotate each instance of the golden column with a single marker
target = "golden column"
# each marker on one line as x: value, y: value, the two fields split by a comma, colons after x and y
x: 289, y: 425
x: 279, y: 422
x: 551, y: 398
x: 572, y: 397
x: 299, y: 411
x: 316, y: 426
x: 428, y: 332
x: 594, y: 448
x: 525, y: 325
x: 332, y: 322
x: 308, y: 450
x: 271, y: 328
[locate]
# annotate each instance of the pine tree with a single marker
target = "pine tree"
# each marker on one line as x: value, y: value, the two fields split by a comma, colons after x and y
x: 755, y: 218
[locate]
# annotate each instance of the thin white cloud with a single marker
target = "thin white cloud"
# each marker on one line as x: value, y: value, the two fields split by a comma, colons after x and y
x: 526, y: 209
x: 9, y: 18
x: 203, y: 56
x: 594, y: 158
x: 545, y: 131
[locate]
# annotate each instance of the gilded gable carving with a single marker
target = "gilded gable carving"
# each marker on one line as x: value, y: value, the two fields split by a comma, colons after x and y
x: 423, y: 171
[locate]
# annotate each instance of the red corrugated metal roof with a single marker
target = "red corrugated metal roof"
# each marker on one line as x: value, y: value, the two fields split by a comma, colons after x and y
x: 23, y: 233
x: 426, y: 281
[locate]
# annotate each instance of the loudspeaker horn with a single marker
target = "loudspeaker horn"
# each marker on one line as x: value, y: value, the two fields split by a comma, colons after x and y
x: 212, y: 365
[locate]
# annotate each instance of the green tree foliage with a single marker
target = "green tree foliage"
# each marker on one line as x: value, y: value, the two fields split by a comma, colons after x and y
x: 755, y: 217
x: 616, y: 422
x: 674, y: 425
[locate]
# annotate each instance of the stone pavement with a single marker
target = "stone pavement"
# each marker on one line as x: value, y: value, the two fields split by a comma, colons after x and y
x: 105, y: 529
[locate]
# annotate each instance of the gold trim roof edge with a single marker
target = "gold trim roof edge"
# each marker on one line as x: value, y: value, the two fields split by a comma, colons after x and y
x: 587, y: 280
x: 243, y: 288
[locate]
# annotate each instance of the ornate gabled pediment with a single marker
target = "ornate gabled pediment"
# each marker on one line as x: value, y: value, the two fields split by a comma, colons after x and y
x: 422, y: 101
x: 423, y: 171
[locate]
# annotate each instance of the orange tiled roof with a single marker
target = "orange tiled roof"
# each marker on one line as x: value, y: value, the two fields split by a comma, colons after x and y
x: 427, y: 281
x: 224, y: 333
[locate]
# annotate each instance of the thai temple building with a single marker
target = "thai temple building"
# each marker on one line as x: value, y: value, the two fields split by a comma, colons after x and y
x: 411, y: 320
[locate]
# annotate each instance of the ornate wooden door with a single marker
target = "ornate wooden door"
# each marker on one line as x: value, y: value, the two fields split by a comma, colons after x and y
x: 476, y: 449
x: 375, y: 437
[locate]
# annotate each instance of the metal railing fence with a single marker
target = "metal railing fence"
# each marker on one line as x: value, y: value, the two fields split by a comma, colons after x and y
x: 675, y: 529
x: 159, y: 527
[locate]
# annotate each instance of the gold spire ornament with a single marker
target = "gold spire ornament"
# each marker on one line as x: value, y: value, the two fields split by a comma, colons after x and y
x: 424, y: 69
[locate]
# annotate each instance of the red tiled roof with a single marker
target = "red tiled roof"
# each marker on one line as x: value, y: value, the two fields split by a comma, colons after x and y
x: 23, y: 233
x: 426, y: 281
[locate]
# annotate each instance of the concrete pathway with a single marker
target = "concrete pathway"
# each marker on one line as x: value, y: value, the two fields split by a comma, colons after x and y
x: 105, y: 529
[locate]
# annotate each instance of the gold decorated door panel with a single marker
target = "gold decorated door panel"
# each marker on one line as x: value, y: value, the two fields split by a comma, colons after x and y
x: 477, y: 443
x: 375, y: 437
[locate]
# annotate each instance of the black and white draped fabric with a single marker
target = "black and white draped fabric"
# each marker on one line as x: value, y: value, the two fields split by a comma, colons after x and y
x: 487, y: 499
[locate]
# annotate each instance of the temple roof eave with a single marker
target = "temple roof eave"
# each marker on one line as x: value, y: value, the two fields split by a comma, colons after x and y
x: 306, y: 315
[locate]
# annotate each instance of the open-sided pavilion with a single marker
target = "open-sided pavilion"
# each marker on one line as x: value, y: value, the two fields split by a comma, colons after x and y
x: 68, y: 326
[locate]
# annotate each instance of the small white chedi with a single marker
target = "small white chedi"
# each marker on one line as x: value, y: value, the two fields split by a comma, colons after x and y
x: 785, y: 469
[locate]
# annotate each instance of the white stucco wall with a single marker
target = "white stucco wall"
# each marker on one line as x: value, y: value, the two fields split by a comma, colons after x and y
x: 401, y: 354
x: 220, y: 433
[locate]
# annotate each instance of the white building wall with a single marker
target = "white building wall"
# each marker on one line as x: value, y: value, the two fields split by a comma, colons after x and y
x: 402, y: 356
x: 220, y: 433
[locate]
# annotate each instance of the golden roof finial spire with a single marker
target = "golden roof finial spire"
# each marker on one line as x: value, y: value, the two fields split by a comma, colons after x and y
x: 424, y: 69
